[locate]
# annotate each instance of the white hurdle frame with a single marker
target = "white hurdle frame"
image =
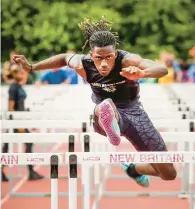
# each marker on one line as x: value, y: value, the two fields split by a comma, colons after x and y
x: 83, y: 115
x: 52, y: 159
x: 14, y: 124
x: 58, y: 138
x: 170, y: 137
x: 89, y: 159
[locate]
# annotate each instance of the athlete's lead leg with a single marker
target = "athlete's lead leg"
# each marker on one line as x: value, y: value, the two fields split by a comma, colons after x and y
x: 108, y: 120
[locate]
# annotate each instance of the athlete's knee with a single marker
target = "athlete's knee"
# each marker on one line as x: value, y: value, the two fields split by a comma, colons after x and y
x: 169, y: 173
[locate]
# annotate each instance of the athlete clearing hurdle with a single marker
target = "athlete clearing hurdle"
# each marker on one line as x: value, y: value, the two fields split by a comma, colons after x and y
x: 113, y: 76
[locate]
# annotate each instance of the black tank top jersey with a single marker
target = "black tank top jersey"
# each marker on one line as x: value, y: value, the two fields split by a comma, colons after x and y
x: 122, y: 91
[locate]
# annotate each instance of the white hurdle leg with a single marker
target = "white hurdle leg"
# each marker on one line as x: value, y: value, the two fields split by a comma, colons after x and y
x: 191, y: 178
x: 86, y: 170
x: 97, y: 178
x: 88, y: 146
x: 54, y: 182
x: 10, y: 150
x: 97, y: 167
x: 183, y: 172
x: 86, y: 185
x: 20, y: 150
x: 72, y: 180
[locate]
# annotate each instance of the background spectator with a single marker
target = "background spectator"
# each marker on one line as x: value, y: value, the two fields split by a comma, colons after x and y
x: 16, y: 102
x: 54, y: 76
x: 28, y: 78
x: 184, y: 74
x: 167, y: 59
x: 192, y: 67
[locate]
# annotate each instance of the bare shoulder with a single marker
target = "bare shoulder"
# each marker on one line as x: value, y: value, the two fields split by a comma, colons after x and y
x: 74, y: 61
x: 131, y: 59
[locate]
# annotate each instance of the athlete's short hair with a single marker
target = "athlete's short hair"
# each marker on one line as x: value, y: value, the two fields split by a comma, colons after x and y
x: 98, y: 33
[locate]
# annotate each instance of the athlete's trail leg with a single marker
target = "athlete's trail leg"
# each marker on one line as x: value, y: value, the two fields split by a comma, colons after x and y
x: 165, y: 171
x: 140, y: 131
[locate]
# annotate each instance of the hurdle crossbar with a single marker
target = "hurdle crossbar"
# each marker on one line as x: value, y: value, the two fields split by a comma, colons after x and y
x: 37, y: 137
x: 172, y: 137
x: 42, y: 124
x: 132, y: 157
x: 30, y: 158
x: 171, y: 123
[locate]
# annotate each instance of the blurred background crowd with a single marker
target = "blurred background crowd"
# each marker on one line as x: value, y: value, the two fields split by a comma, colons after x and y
x: 164, y: 33
x: 181, y: 70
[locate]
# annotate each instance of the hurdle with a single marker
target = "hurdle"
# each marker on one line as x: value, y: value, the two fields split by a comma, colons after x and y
x: 52, y: 159
x: 43, y: 124
x: 58, y: 138
x: 84, y: 125
x: 41, y: 115
x: 48, y: 138
x: 87, y: 116
x: 181, y: 90
x: 14, y: 124
x: 181, y: 138
x: 89, y: 159
x: 71, y: 138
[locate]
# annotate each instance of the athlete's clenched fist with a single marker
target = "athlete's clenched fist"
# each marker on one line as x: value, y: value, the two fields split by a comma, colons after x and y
x: 132, y: 73
x: 22, y: 62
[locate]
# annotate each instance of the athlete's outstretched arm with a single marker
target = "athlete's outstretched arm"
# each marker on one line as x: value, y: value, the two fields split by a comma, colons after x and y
x: 149, y: 68
x: 52, y: 62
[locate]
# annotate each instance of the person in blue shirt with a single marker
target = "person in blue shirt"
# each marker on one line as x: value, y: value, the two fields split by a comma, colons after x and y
x: 192, y: 73
x: 55, y: 76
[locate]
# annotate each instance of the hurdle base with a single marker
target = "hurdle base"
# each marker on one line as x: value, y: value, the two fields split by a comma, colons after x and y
x: 142, y: 194
x: 185, y: 195
x: 45, y: 177
x: 106, y: 194
x: 41, y: 194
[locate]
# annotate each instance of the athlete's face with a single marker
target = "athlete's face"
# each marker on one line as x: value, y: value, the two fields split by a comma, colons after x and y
x: 104, y: 58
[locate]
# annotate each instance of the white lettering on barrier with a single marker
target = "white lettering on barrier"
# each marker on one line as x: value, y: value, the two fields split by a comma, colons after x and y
x: 29, y: 158
x: 122, y: 158
x: 135, y: 157
x: 9, y: 160
x: 35, y: 159
x: 92, y: 158
x: 147, y: 158
x: 100, y: 158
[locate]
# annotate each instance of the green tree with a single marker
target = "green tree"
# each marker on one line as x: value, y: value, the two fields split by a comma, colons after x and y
x: 41, y: 29
x: 150, y: 26
x: 49, y: 27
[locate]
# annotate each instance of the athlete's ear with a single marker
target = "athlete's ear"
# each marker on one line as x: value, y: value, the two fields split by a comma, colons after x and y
x: 91, y: 54
x: 116, y: 53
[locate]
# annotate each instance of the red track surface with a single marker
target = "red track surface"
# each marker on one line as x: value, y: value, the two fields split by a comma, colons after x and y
x: 105, y: 202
